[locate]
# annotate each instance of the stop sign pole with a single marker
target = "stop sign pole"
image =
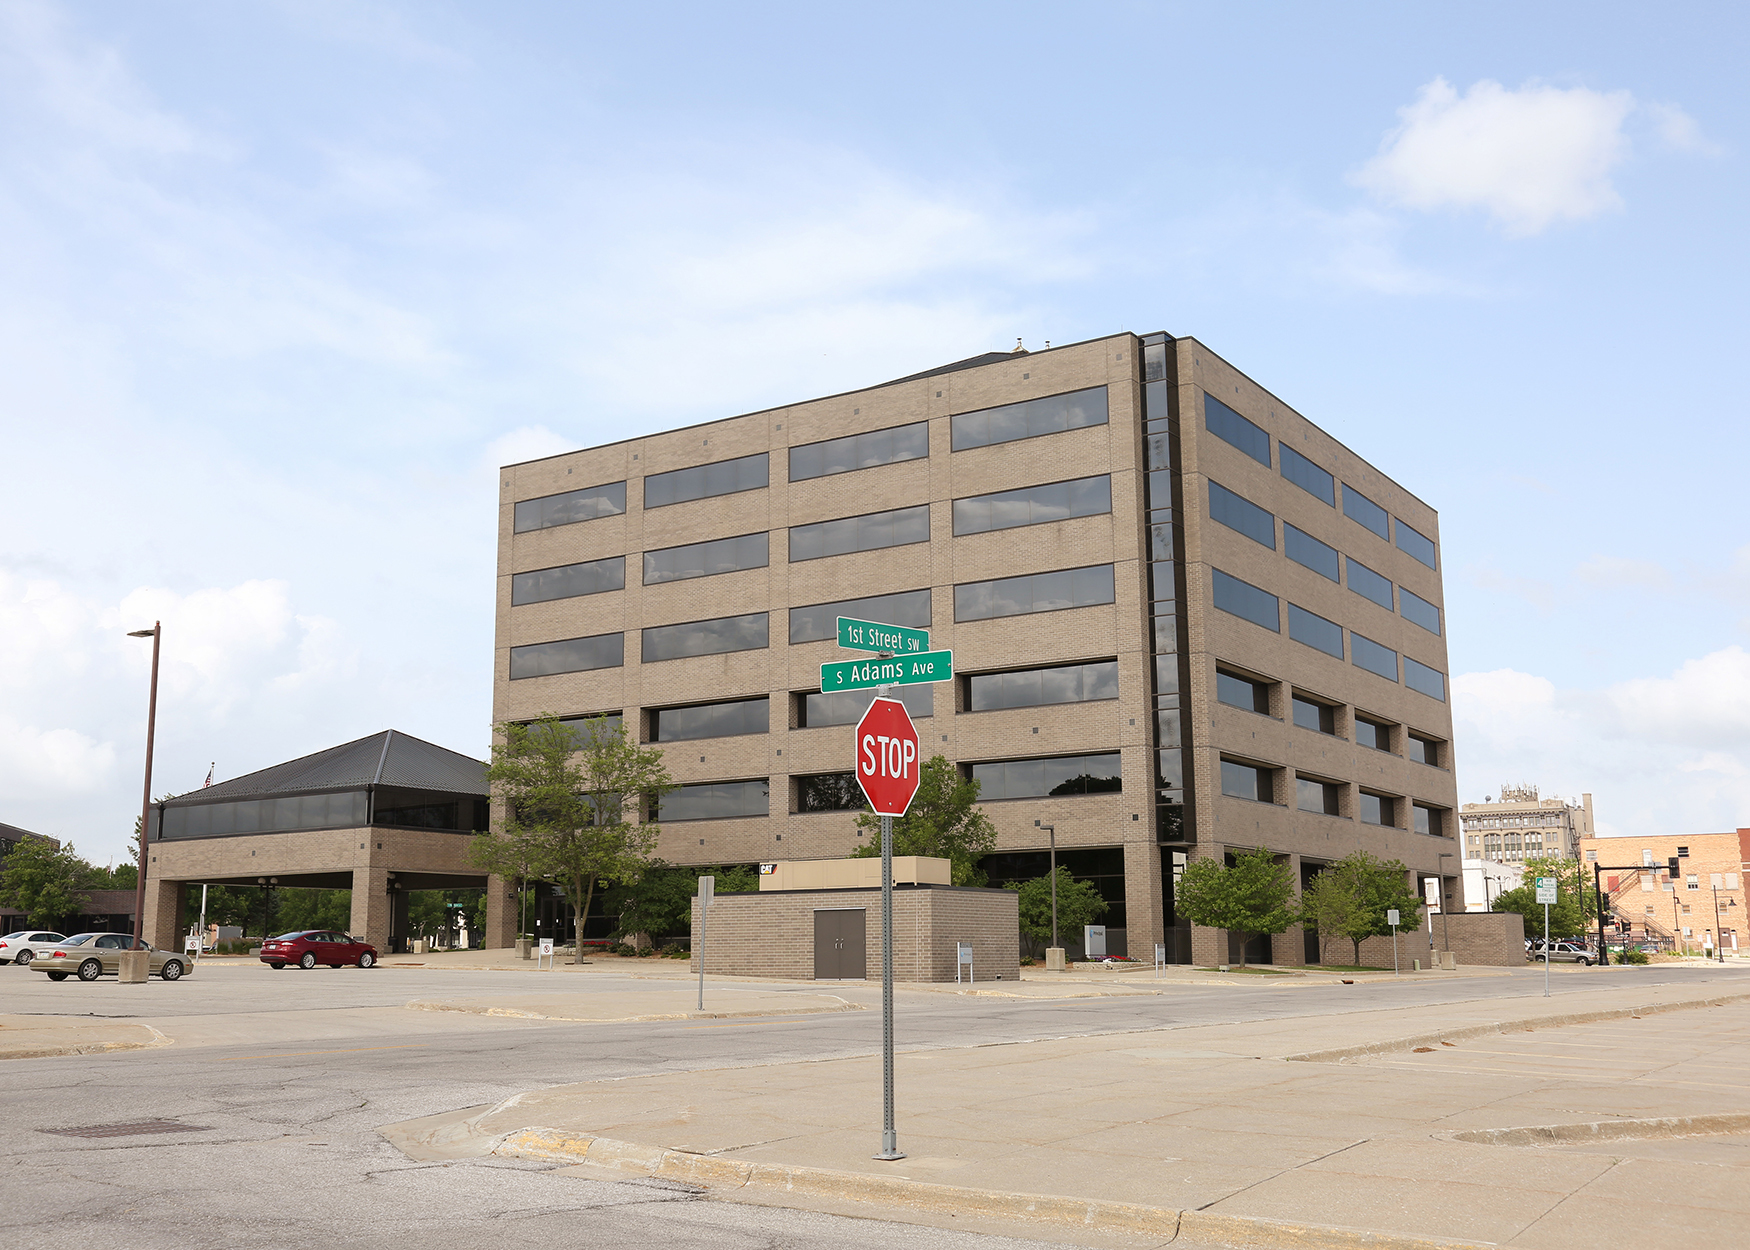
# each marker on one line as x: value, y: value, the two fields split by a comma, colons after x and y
x: 887, y: 771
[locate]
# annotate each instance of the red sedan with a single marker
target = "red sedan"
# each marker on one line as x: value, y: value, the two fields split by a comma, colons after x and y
x: 310, y: 947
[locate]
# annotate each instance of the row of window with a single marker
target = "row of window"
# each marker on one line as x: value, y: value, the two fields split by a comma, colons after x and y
x: 1232, y: 428
x: 899, y: 527
x: 1260, y: 782
x: 1311, y: 712
x: 1251, y: 603
x: 973, y: 601
x: 1240, y: 514
x: 1030, y: 418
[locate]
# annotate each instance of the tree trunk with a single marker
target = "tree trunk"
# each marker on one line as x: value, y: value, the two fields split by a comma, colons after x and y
x: 1242, y: 934
x: 582, y: 915
x: 1357, y: 942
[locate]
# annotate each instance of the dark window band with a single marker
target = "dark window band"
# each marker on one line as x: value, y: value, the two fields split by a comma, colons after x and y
x: 869, y: 532
x: 1230, y: 427
x: 820, y: 621
x: 1033, y: 505
x: 714, y: 637
x: 1241, y: 514
x: 860, y: 451
x: 569, y: 655
x: 571, y: 507
x: 726, y: 477
x: 1028, y: 419
x: 1035, y: 592
x: 568, y: 581
x: 720, y: 555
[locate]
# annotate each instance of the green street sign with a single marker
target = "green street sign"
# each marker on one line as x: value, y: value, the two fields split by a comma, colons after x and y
x: 901, y: 670
x: 855, y: 635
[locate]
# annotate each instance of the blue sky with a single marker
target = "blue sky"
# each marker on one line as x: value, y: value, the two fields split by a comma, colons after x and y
x: 282, y: 283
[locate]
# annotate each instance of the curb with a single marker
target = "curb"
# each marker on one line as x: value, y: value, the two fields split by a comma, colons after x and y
x: 1489, y: 1030
x: 712, y: 1172
x: 513, y: 1013
x: 1608, y: 1130
x: 85, y: 1048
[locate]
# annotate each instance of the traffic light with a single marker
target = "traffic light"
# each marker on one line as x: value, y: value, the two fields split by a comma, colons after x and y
x: 1604, y: 902
x: 1672, y: 867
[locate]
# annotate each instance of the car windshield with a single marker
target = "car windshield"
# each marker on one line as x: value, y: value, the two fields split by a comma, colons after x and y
x: 287, y: 937
x: 10, y: 936
x: 79, y: 939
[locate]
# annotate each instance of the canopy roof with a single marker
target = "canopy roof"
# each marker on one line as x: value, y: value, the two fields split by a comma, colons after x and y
x: 390, y: 758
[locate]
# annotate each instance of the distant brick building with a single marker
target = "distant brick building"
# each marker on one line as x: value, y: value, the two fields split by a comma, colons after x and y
x: 1703, y: 903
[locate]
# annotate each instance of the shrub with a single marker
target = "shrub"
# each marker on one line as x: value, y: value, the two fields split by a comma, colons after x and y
x: 1633, y: 957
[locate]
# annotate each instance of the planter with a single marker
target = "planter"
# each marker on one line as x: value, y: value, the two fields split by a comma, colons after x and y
x: 419, y: 946
x: 523, y: 948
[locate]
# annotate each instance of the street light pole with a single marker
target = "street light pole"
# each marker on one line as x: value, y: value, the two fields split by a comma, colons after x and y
x: 156, y: 634
x: 1719, y: 933
x: 1445, y: 930
x: 1052, y: 830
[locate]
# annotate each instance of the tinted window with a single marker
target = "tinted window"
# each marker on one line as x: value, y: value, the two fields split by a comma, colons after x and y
x: 1315, y: 631
x: 846, y: 707
x: 1371, y: 656
x: 860, y: 451
x: 1031, y: 779
x: 1035, y: 687
x: 1375, y: 809
x: 829, y: 792
x: 1358, y: 507
x: 1029, y: 419
x: 1424, y: 750
x: 1418, y: 611
x: 710, y: 720
x: 1427, y: 820
x: 340, y: 810
x: 1245, y: 600
x: 573, y: 506
x: 1315, y: 796
x: 1372, y: 734
x: 1308, y: 476
x: 1319, y: 717
x: 726, y: 477
x: 1368, y: 584
x: 820, y: 621
x: 860, y: 533
x: 1230, y: 427
x: 728, y: 633
x: 1303, y: 548
x: 717, y: 800
x: 1415, y: 543
x: 1033, y: 505
x: 1254, y: 696
x: 720, y: 555
x: 569, y: 655
x: 584, y: 730
x: 1243, y: 781
x: 1429, y: 681
x: 1239, y: 513
x: 568, y: 581
x: 1037, y: 592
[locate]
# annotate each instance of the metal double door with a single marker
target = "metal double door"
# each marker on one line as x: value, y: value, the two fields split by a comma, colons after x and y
x: 841, y: 950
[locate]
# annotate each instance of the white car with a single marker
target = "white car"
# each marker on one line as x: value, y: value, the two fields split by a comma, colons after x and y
x: 22, y: 947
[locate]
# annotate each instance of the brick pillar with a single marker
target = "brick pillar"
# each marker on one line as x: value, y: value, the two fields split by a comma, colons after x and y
x: 371, y: 918
x: 502, y: 916
x: 1288, y: 948
x: 163, y: 927
x: 1142, y: 899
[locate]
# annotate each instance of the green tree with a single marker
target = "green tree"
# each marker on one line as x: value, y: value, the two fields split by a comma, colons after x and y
x: 574, y: 798
x: 1254, y: 895
x: 1575, y: 910
x: 299, y: 908
x: 942, y: 821
x: 1351, y: 897
x: 1078, y: 904
x: 44, y: 881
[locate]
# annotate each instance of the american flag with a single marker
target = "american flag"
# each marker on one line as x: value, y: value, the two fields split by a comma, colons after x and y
x: 209, y: 780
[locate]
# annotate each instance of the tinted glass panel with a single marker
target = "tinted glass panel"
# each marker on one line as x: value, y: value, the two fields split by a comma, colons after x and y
x: 1303, y: 548
x: 1358, y: 507
x: 568, y: 581
x: 728, y: 633
x: 1308, y: 476
x: 710, y: 720
x: 1418, y: 611
x: 1315, y: 796
x: 1375, y: 810
x: 718, y: 800
x: 726, y: 477
x: 341, y: 810
x: 1242, y: 781
x: 1430, y: 681
x: 1368, y: 584
x: 1371, y: 734
x: 1254, y: 696
x: 829, y: 792
x: 846, y: 707
x: 1424, y: 750
x: 1029, y: 418
x: 820, y: 621
x: 1415, y: 543
x: 573, y: 506
x: 587, y: 729
x: 720, y: 555
x: 1315, y: 716
x: 1315, y: 631
x: 1239, y: 513
x: 860, y: 451
x: 1072, y: 683
x: 1230, y: 427
x: 1424, y: 821
x: 1371, y: 656
x: 1037, y: 592
x: 570, y: 655
x: 1065, y: 775
x: 860, y: 533
x: 1245, y: 600
x: 1033, y: 505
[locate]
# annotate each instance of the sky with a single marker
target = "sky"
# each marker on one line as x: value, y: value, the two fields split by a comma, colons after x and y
x: 281, y: 284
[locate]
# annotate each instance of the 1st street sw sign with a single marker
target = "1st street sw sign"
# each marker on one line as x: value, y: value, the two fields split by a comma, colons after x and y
x: 855, y: 635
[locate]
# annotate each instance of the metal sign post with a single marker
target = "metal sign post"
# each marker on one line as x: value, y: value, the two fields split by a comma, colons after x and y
x: 1160, y: 958
x: 1546, y: 894
x: 546, y: 953
x: 889, y: 1137
x: 1392, y: 917
x: 707, y: 891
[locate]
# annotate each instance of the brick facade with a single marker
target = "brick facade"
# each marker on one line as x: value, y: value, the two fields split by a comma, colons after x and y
x: 1707, y: 899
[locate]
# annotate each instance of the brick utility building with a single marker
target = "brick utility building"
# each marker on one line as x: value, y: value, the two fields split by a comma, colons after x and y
x: 1704, y: 901
x: 1185, y: 620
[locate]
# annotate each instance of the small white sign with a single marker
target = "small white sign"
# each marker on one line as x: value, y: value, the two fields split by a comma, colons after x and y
x: 1392, y: 918
x: 1094, y: 939
x: 546, y: 948
x: 1546, y: 890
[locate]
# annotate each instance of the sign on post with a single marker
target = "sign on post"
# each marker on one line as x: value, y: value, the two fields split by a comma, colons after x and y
x: 546, y: 952
x: 962, y: 959
x: 1392, y: 917
x: 1546, y: 889
x: 855, y: 635
x: 1546, y: 894
x: 887, y: 757
x: 899, y: 670
x: 1093, y: 940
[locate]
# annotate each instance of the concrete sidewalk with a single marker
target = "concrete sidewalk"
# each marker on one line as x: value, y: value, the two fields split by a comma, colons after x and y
x: 1375, y: 1128
x: 36, y: 1037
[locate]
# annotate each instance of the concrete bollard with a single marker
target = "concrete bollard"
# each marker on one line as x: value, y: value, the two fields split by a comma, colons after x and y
x: 133, y: 969
x: 1054, y: 959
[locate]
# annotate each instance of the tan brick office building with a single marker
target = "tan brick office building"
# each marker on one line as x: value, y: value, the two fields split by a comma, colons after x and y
x: 1701, y: 906
x: 1184, y: 619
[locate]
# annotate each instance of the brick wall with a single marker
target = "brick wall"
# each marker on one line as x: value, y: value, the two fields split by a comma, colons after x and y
x: 1479, y: 940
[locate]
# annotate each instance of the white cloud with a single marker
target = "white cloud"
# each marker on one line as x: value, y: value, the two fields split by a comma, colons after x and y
x: 1680, y: 131
x: 1529, y: 157
x: 1616, y: 573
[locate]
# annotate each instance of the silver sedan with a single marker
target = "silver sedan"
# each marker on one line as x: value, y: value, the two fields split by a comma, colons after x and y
x: 91, y: 955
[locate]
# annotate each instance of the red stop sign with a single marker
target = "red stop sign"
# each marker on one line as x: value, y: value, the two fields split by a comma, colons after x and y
x: 887, y: 757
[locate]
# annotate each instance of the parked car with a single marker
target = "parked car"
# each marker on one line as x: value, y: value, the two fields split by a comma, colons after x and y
x: 1564, y: 953
x: 21, y: 947
x: 91, y: 955
x: 310, y: 947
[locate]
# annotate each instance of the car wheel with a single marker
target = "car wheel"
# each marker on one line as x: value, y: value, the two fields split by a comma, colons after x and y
x: 277, y: 964
x: 90, y: 970
x: 308, y: 961
x: 57, y: 976
x: 171, y: 970
x: 1585, y: 963
x: 23, y: 958
x: 367, y: 959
